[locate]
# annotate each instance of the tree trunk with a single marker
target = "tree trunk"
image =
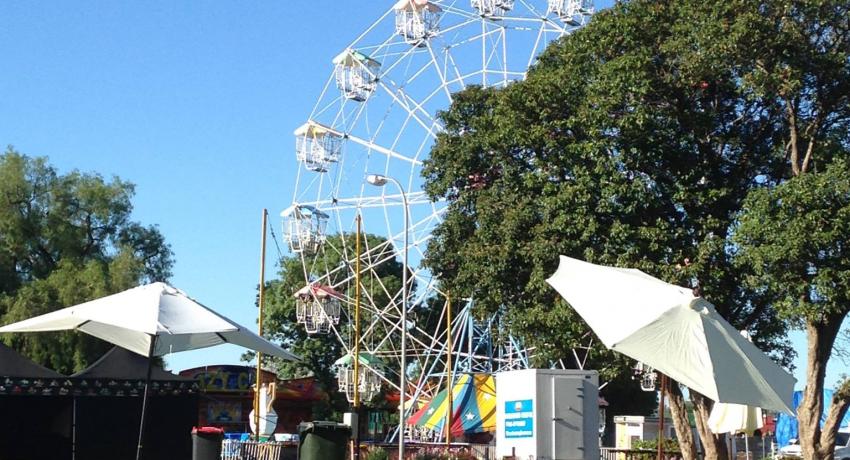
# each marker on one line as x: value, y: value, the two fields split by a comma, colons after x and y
x: 713, y: 445
x: 821, y: 338
x: 840, y: 403
x: 680, y: 421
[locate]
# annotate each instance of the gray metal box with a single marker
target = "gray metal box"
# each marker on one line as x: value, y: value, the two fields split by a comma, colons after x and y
x: 547, y: 414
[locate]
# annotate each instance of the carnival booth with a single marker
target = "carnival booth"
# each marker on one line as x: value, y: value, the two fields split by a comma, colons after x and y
x: 107, y: 402
x: 36, y: 411
x: 227, y: 397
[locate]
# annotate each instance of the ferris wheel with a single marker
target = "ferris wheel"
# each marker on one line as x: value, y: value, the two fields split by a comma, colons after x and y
x: 377, y: 114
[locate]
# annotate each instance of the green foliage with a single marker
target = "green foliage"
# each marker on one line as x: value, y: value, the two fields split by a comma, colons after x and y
x: 66, y: 239
x: 627, y: 145
x: 443, y: 453
x: 376, y: 453
x: 319, y: 352
x: 430, y: 456
x: 671, y: 446
x: 794, y: 240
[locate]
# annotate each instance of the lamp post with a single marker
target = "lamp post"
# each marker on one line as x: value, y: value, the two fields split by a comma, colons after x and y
x: 381, y: 180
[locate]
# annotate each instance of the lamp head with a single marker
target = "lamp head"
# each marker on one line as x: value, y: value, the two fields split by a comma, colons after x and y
x: 376, y: 179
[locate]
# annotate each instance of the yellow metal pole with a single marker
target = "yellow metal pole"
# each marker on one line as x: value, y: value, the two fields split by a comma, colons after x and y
x: 357, y: 340
x: 449, y: 370
x: 259, y: 381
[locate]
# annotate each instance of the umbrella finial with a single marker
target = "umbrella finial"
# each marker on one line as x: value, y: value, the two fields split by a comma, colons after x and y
x: 701, y: 305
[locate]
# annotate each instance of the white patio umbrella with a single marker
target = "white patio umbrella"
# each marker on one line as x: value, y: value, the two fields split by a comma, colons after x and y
x: 668, y: 328
x: 151, y: 320
x: 735, y: 419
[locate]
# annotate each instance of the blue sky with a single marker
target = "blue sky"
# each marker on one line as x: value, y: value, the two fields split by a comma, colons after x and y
x: 195, y: 103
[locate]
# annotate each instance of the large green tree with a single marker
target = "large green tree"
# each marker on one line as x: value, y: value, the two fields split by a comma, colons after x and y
x: 795, y: 244
x: 636, y: 142
x: 793, y: 236
x: 66, y: 239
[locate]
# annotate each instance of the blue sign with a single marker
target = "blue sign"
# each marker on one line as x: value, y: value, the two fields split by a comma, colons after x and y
x: 519, y: 418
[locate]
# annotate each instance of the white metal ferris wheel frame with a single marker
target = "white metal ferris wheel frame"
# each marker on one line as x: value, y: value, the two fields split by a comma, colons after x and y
x: 412, y: 84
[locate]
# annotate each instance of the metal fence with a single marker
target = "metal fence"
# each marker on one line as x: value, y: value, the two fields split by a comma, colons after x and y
x: 251, y: 450
x: 610, y: 453
x: 232, y: 449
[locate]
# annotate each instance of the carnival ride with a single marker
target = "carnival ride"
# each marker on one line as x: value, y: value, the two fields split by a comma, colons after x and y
x: 378, y: 113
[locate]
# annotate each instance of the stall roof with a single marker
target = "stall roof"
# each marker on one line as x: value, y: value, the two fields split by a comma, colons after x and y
x: 121, y: 364
x: 13, y: 364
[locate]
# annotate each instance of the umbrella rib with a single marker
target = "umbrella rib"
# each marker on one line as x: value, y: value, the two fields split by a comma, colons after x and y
x: 164, y: 327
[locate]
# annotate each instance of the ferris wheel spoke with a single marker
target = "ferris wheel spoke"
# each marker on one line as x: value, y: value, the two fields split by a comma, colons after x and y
x: 397, y: 59
x: 533, y: 9
x: 369, y: 29
x: 457, y: 26
x: 414, y: 109
x: 383, y: 150
x: 338, y: 204
x: 442, y: 77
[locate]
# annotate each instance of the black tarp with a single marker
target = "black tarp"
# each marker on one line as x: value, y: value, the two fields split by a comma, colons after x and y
x: 12, y: 364
x: 94, y: 413
x: 107, y: 426
x: 35, y: 415
x: 121, y: 364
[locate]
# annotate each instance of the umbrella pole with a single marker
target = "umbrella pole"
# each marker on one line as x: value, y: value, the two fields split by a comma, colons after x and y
x: 145, y: 399
x: 74, y: 428
x: 660, y: 455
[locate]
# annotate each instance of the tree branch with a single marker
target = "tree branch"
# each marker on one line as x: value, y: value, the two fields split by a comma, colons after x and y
x: 792, y: 123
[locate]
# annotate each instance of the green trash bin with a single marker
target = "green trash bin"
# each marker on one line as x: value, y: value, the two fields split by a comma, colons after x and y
x: 323, y: 440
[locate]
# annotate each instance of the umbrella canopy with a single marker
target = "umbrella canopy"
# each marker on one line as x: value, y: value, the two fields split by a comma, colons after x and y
x: 668, y: 328
x: 473, y: 407
x: 132, y: 318
x: 735, y: 418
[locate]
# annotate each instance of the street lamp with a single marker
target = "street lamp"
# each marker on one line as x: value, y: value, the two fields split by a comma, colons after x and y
x: 379, y: 181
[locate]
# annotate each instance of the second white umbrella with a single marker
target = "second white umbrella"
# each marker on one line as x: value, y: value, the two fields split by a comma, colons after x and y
x: 670, y: 329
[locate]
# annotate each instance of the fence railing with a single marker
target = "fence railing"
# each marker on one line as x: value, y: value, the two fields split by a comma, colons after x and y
x: 609, y: 453
x: 232, y: 449
x: 251, y: 450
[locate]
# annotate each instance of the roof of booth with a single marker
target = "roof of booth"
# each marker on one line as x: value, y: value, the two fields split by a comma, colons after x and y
x: 13, y: 364
x: 121, y: 364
